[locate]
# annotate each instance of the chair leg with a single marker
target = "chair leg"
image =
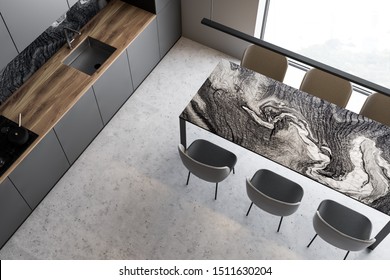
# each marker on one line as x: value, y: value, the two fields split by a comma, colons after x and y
x: 234, y: 171
x: 280, y: 223
x: 250, y: 207
x: 346, y: 255
x: 188, y: 178
x: 312, y: 240
x: 216, y: 190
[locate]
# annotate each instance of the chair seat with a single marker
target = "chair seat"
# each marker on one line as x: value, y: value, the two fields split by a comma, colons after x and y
x: 345, y: 220
x: 327, y: 86
x: 277, y: 187
x: 273, y: 193
x: 207, y: 161
x: 376, y: 107
x: 211, y: 154
x: 342, y: 227
x: 265, y: 62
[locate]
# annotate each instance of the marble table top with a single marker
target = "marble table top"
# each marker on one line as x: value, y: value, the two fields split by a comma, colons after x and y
x: 331, y: 145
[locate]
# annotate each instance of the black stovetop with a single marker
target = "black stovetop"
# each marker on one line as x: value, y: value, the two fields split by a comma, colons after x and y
x: 9, y: 152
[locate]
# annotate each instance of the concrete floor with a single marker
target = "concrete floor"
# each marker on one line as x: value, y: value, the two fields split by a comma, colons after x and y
x: 126, y: 198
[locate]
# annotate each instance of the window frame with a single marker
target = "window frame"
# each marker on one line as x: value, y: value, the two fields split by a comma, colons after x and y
x: 297, y: 64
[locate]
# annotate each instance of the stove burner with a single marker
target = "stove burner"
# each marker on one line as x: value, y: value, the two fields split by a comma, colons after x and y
x: 10, y: 151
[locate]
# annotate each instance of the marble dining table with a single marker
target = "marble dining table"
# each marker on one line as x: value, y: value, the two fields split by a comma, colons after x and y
x: 331, y: 145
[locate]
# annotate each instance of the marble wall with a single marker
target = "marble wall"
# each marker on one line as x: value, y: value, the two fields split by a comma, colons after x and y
x: 22, y: 67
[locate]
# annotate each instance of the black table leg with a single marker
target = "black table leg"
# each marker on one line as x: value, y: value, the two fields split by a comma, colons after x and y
x: 380, y: 236
x: 183, y: 134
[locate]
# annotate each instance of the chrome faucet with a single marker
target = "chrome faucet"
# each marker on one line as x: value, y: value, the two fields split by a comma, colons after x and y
x: 70, y: 39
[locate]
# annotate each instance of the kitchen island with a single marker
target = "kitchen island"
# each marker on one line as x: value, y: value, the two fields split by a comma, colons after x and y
x: 333, y: 146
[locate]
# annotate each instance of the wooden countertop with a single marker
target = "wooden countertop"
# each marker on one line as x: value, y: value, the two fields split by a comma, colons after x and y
x: 52, y: 90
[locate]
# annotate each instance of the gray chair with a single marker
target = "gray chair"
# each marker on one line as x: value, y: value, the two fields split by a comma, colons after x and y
x: 327, y: 86
x: 377, y: 107
x: 265, y: 62
x: 342, y: 227
x: 273, y: 193
x: 207, y: 161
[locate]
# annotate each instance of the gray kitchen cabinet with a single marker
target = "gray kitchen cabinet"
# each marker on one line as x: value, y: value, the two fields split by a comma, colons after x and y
x: 79, y: 126
x: 8, y: 50
x: 169, y: 24
x: 144, y: 53
x: 113, y: 88
x: 40, y: 170
x: 27, y: 19
x: 160, y: 4
x: 13, y: 210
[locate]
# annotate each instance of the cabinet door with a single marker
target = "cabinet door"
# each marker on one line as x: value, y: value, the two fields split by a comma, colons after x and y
x: 79, y: 126
x: 13, y: 210
x: 27, y: 19
x: 40, y: 170
x: 169, y: 26
x: 144, y: 53
x: 113, y: 88
x: 160, y: 4
x: 8, y: 50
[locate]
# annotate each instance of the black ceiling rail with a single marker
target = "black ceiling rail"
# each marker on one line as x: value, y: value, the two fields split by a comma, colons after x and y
x: 296, y: 56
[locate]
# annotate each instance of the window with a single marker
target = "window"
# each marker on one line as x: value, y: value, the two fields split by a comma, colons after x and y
x: 353, y: 36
